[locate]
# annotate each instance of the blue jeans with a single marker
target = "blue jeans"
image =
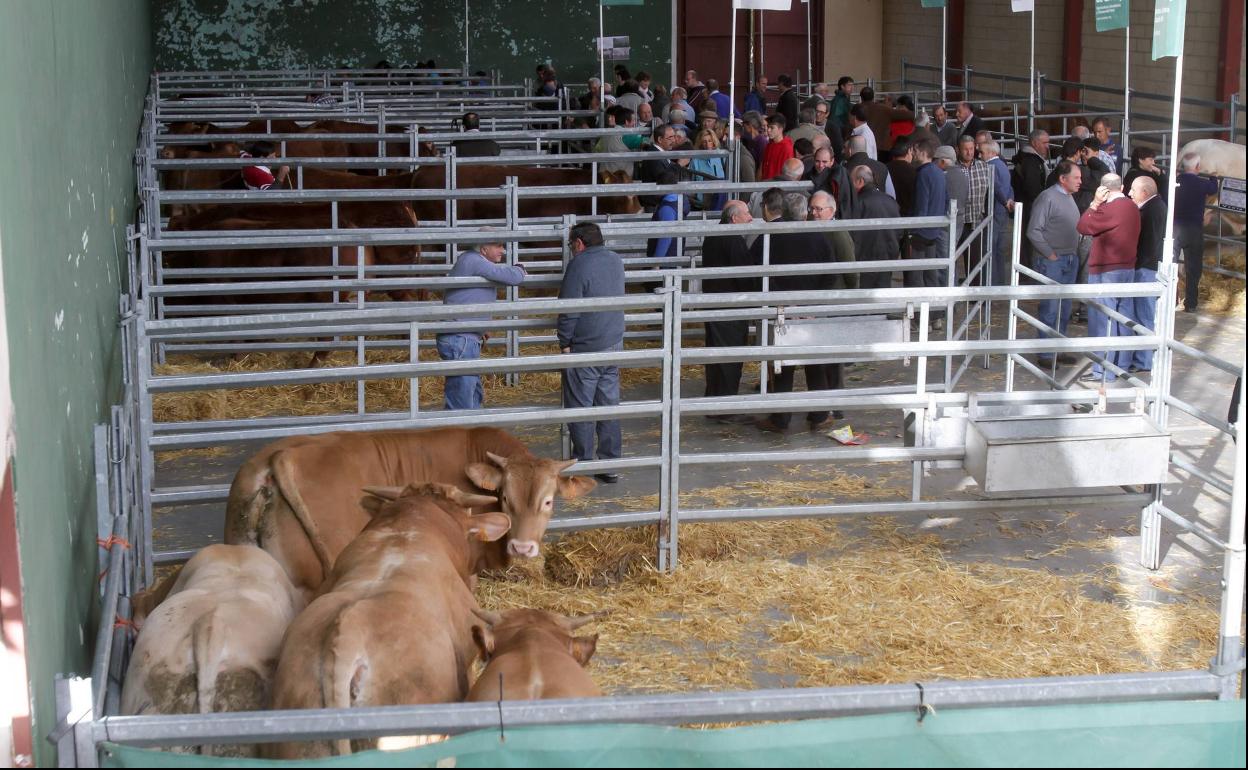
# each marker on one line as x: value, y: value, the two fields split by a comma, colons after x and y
x: 593, y: 386
x: 1144, y: 311
x: 462, y: 391
x: 1056, y: 313
x: 1002, y: 241
x: 1100, y: 325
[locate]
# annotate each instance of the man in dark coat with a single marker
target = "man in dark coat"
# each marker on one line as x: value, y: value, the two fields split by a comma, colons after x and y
x: 858, y: 156
x: 1148, y: 256
x: 788, y: 106
x: 728, y: 251
x: 1030, y: 171
x: 873, y: 245
x: 475, y: 148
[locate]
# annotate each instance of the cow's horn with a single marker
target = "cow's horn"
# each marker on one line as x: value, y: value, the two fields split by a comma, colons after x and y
x: 498, y: 460
x: 385, y: 493
x: 565, y: 464
x: 577, y: 622
x: 470, y: 500
x: 493, y: 618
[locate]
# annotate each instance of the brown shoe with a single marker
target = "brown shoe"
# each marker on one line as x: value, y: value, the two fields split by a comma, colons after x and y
x: 769, y: 426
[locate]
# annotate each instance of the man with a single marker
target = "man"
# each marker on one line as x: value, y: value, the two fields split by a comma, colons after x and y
x: 261, y: 176
x: 823, y: 208
x: 956, y: 182
x: 873, y: 245
x: 977, y: 180
x: 665, y: 140
x: 594, y: 271
x: 728, y: 251
x: 880, y: 116
x: 901, y: 170
x: 1081, y: 132
x: 791, y: 171
x: 968, y: 121
x: 678, y: 102
x: 832, y: 178
x: 860, y: 156
x: 779, y: 147
x: 756, y: 99
x: 616, y: 116
x: 629, y: 96
x: 797, y: 249
x: 830, y: 129
x: 1030, y: 170
x: 643, y: 87
x: 1110, y: 153
x: 592, y: 97
x: 806, y: 129
x: 669, y: 210
x: 931, y: 199
x: 1189, y: 225
x: 708, y: 120
x: 788, y: 105
x: 465, y: 391
x: 476, y: 147
x: 1148, y: 256
x: 841, y: 101
x: 1002, y: 206
x: 695, y: 90
x: 1072, y: 150
x: 645, y: 117
x: 1113, y: 222
x: 754, y: 135
x: 945, y: 129
x: 1052, y: 233
x: 722, y: 104
x: 859, y: 127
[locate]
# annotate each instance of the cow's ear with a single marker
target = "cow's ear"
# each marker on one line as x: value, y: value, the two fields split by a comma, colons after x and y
x: 575, y: 486
x: 372, y: 505
x: 488, y: 527
x: 485, y: 475
x: 484, y: 639
x: 582, y: 648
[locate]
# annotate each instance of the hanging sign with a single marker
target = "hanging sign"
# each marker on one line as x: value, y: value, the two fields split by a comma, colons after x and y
x: 1018, y: 6
x: 933, y: 3
x: 1168, y: 27
x: 1112, y: 14
x: 763, y: 5
x: 623, y: 2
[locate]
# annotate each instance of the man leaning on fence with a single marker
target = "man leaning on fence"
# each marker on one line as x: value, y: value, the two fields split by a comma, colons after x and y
x: 728, y: 251
x: 595, y: 271
x: 465, y: 391
x: 1052, y: 233
x: 1113, y: 221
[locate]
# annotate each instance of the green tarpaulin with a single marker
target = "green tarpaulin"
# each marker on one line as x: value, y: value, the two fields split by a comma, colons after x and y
x: 1166, y: 734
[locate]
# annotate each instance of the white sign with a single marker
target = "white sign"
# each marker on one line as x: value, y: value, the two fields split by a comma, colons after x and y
x: 1017, y: 6
x: 1232, y: 195
x: 608, y: 42
x: 763, y: 5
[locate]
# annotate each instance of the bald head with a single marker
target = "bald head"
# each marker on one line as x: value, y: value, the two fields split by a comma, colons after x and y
x: 793, y: 169
x: 735, y: 213
x: 1112, y: 182
x: 857, y: 144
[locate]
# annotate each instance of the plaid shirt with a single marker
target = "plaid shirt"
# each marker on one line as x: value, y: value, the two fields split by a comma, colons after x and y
x: 979, y: 179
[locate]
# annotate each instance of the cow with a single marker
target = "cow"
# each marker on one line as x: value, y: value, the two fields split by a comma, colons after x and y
x: 393, y: 622
x: 1223, y: 159
x: 531, y: 655
x: 434, y: 177
x: 297, y: 498
x: 211, y: 644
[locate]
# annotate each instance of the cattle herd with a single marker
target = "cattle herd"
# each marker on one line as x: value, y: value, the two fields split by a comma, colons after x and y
x: 347, y: 580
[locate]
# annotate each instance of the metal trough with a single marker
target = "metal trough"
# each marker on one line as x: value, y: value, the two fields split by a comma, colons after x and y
x: 1077, y: 451
x: 839, y: 330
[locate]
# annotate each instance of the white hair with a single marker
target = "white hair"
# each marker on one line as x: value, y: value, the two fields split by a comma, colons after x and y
x: 1191, y: 162
x: 795, y: 206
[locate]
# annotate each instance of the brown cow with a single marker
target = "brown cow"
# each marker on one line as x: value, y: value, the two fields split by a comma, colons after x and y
x: 297, y: 498
x: 434, y: 177
x: 531, y: 655
x: 212, y: 643
x: 393, y: 623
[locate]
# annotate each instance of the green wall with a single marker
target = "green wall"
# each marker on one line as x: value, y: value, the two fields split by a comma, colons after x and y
x: 508, y: 35
x: 74, y: 75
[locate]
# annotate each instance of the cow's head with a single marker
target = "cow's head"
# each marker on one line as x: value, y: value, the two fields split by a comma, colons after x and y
x: 618, y: 204
x: 481, y: 527
x: 501, y: 629
x: 526, y: 487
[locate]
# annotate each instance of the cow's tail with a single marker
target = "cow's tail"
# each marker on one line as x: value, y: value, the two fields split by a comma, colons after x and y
x: 208, y: 640
x: 342, y: 677
x: 286, y: 476
x: 244, y: 513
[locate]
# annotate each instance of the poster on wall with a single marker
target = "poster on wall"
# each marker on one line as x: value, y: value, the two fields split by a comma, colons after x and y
x: 1112, y: 14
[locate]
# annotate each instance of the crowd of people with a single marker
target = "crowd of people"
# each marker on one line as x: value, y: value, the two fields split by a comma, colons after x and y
x: 1086, y: 219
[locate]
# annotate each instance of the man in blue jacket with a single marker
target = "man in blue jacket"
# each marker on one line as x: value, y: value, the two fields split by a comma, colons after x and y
x: 465, y: 391
x: 1002, y: 206
x: 931, y: 199
x: 595, y: 271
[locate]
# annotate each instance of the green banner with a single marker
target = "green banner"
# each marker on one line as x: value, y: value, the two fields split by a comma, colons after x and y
x: 623, y: 2
x: 1112, y: 14
x: 933, y: 3
x: 1168, y: 28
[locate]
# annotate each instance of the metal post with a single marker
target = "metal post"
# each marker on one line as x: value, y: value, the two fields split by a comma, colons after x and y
x: 413, y: 355
x: 944, y: 55
x: 810, y: 69
x: 565, y: 437
x: 732, y: 76
x: 466, y: 69
x: 1167, y: 273
x: 673, y: 358
x: 1230, y: 645
x: 666, y: 504
x: 920, y: 385
x: 360, y: 405
x: 602, y: 72
x: 1012, y: 321
x: 1126, y: 98
x: 764, y: 366
x: 513, y: 292
x: 1031, y: 99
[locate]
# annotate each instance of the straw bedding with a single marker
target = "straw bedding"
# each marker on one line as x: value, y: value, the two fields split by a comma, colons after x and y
x: 798, y: 603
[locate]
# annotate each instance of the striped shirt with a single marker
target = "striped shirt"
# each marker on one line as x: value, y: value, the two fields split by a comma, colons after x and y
x: 978, y: 178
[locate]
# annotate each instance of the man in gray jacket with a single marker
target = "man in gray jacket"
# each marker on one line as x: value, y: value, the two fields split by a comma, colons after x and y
x: 1051, y: 232
x: 595, y: 271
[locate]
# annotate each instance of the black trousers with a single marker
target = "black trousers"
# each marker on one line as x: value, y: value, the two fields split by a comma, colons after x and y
x: 725, y: 379
x: 818, y: 377
x: 1190, y: 240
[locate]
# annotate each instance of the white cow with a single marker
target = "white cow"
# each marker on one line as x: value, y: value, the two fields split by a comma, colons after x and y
x: 211, y: 643
x: 1220, y: 159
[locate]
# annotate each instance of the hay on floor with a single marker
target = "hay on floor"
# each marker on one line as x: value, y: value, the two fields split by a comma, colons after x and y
x: 796, y: 603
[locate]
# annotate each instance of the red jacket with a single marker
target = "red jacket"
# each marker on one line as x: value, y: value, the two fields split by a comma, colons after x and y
x: 774, y: 157
x: 1115, y: 231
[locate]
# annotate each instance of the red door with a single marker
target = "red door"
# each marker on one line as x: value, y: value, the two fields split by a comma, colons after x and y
x: 704, y: 40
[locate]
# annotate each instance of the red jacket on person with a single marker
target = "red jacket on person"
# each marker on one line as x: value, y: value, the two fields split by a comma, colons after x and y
x: 774, y: 157
x: 1115, y: 231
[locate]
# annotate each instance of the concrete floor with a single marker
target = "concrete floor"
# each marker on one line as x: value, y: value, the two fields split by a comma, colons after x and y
x: 1037, y: 538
